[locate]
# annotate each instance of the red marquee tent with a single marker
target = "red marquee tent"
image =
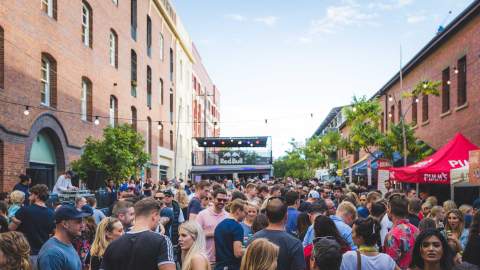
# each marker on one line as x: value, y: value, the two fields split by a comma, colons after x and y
x: 435, y: 169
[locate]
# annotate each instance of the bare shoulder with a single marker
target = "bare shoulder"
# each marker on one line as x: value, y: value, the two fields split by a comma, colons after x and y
x: 200, y: 262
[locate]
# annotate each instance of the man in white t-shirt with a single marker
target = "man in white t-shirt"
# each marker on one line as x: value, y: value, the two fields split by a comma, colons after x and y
x: 64, y: 183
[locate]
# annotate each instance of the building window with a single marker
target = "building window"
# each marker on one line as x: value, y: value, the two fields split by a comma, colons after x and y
x: 48, y: 95
x: 113, y: 121
x: 134, y: 118
x: 87, y: 103
x: 171, y: 106
x: 160, y: 134
x: 171, y: 65
x: 161, y: 49
x: 149, y: 36
x: 113, y: 52
x: 50, y: 8
x: 161, y: 91
x: 133, y: 18
x: 133, y: 64
x: 171, y: 140
x: 87, y: 24
x: 149, y: 136
x: 414, y: 110
x: 2, y: 59
x: 115, y: 2
x: 462, y: 81
x: 163, y: 172
x: 149, y: 87
x: 445, y: 90
x: 392, y: 114
x: 425, y: 108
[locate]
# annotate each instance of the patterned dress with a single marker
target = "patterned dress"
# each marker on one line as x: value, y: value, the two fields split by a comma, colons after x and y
x: 400, y: 241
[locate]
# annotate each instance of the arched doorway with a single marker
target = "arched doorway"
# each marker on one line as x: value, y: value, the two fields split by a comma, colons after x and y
x: 43, y: 160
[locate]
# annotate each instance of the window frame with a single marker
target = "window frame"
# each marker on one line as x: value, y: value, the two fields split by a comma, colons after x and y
x: 149, y: 87
x: 113, y: 112
x: 87, y: 24
x: 134, y: 112
x: 462, y: 96
x: 425, y: 109
x: 113, y: 48
x: 133, y: 73
x: 46, y: 81
x: 83, y: 100
x: 149, y: 36
x: 446, y: 90
x: 162, y: 47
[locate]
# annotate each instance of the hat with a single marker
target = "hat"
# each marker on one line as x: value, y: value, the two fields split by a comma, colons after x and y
x: 68, y: 212
x: 317, y: 207
x: 168, y: 193
x: 314, y: 194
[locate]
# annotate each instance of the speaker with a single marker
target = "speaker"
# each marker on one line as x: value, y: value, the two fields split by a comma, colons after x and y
x: 95, y: 179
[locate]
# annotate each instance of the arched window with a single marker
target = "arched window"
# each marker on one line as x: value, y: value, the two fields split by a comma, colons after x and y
x: 171, y: 64
x: 149, y: 87
x: 171, y: 140
x: 133, y: 18
x: 149, y: 135
x: 161, y: 48
x: 86, y: 100
x: 50, y: 8
x: 48, y: 92
x: 134, y: 118
x: 133, y: 75
x: 113, y: 48
x: 87, y: 24
x: 113, y: 111
x: 171, y: 106
x: 149, y: 36
x: 2, y: 59
x: 160, y: 134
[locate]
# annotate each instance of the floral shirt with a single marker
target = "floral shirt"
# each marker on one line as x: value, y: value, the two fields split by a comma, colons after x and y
x: 400, y: 241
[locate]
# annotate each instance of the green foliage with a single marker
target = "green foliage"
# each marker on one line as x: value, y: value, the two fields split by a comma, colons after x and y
x: 120, y: 154
x: 293, y: 164
x: 363, y: 118
x: 425, y: 88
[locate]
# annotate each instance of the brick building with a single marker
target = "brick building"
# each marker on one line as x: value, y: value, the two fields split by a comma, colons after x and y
x: 75, y: 62
x: 451, y: 57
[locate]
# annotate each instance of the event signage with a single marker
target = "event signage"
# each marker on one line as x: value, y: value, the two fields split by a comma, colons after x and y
x: 231, y: 158
x: 474, y: 168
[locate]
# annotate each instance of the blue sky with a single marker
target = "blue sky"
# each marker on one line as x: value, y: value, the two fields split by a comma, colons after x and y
x: 284, y: 60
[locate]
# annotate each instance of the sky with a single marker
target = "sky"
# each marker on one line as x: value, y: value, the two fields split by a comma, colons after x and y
x: 290, y: 62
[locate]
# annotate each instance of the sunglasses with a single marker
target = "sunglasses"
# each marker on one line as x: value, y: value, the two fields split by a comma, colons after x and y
x: 222, y: 200
x: 207, y: 198
x: 159, y: 198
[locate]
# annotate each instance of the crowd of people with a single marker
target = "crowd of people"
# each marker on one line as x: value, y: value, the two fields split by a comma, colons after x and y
x: 240, y: 224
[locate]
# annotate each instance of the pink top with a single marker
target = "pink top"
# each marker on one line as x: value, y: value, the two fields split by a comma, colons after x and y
x: 209, y: 219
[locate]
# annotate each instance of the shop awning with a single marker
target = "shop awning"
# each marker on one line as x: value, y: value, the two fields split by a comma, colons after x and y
x: 360, y: 167
x: 435, y: 169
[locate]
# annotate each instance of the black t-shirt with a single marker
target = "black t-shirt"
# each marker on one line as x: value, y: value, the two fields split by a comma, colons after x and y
x: 291, y: 255
x: 227, y: 232
x: 3, y: 224
x: 144, y: 250
x: 470, y: 254
x: 37, y: 225
x: 414, y: 220
x: 147, y: 192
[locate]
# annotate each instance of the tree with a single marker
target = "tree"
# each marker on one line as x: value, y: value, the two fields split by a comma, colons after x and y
x: 363, y: 118
x: 293, y: 164
x: 119, y: 154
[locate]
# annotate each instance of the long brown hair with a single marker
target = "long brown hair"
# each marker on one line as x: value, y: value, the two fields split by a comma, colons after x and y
x: 16, y: 249
x: 261, y: 254
x: 461, y: 219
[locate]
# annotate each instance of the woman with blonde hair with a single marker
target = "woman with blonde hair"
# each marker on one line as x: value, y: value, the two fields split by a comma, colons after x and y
x: 455, y: 227
x: 14, y: 251
x: 449, y: 205
x: 261, y: 254
x: 17, y: 198
x: 182, y: 198
x: 193, y: 246
x: 438, y: 214
x: 108, y: 230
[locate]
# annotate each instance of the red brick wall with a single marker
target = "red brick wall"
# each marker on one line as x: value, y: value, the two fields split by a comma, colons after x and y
x: 29, y: 32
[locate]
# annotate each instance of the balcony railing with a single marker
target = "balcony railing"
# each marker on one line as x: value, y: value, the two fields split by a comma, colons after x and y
x: 232, y: 157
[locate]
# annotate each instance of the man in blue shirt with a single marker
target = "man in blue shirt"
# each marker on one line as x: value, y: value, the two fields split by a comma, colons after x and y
x: 345, y: 216
x: 292, y: 199
x: 228, y: 237
x: 316, y: 209
x: 58, y: 252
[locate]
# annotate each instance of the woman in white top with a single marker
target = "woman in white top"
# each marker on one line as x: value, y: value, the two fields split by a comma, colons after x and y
x: 192, y: 243
x: 366, y: 234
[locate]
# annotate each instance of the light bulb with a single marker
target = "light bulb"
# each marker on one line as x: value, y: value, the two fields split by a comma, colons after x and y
x: 455, y: 70
x: 390, y: 98
x: 425, y: 85
x: 354, y: 109
x: 416, y: 100
x: 390, y: 115
x: 26, y: 112
x: 449, y: 82
x: 97, y: 121
x: 159, y: 125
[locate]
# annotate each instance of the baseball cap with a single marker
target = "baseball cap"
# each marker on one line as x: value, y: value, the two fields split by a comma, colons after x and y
x: 168, y: 193
x: 314, y: 194
x: 68, y: 212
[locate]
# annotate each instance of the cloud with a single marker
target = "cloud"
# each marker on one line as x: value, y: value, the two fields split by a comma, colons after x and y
x: 268, y: 20
x: 412, y: 19
x: 305, y: 40
x: 389, y: 4
x: 340, y: 16
x: 236, y: 17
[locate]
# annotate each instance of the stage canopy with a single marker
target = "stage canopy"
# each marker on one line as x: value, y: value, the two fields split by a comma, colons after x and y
x: 435, y: 169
